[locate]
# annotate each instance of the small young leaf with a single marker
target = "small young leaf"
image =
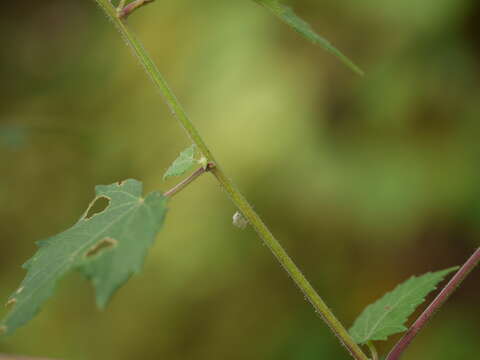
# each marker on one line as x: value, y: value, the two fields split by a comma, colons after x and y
x: 107, y: 246
x: 388, y: 315
x: 182, y: 163
x: 287, y: 15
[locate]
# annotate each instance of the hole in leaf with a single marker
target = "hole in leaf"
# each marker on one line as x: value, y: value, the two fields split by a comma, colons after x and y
x: 98, y: 206
x: 10, y: 303
x: 102, y: 245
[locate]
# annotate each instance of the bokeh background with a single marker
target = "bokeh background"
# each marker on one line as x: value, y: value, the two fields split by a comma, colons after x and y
x: 365, y: 181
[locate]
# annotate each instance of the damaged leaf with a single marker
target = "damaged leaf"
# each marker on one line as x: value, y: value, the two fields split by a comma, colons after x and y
x: 107, y: 247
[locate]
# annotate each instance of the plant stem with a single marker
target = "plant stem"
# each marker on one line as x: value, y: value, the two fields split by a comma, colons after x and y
x: 124, y: 11
x: 237, y: 198
x: 373, y: 350
x: 399, y: 348
x: 182, y: 185
x: 282, y: 256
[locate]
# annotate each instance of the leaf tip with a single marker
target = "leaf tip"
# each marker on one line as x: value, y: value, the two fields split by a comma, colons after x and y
x: 101, y: 304
x: 359, y: 71
x: 349, y: 63
x: 452, y: 269
x: 103, y: 297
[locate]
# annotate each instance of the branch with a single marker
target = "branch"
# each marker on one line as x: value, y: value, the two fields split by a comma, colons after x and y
x: 182, y: 185
x: 235, y: 195
x: 442, y: 297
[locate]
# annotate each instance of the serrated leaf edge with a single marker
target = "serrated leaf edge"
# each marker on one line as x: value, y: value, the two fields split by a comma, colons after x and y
x: 442, y: 274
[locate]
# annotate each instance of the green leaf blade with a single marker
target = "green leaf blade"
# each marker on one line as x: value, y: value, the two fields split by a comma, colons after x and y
x: 182, y: 163
x: 107, y: 247
x: 387, y: 316
x: 288, y: 16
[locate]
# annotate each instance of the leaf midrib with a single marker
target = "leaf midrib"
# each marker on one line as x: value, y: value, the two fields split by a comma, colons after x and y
x: 374, y: 327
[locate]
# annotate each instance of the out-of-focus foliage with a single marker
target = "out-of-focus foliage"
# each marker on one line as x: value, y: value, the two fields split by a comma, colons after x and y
x: 12, y: 137
x: 364, y: 180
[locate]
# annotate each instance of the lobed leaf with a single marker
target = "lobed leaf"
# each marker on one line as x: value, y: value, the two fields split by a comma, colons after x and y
x: 287, y: 15
x: 182, y: 163
x: 388, y: 315
x: 108, y: 247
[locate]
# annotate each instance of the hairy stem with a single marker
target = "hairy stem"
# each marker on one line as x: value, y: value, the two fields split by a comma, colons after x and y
x: 237, y: 198
x: 399, y: 348
x: 182, y: 185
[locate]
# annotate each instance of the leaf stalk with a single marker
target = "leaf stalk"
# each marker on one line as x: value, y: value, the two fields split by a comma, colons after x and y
x: 182, y: 185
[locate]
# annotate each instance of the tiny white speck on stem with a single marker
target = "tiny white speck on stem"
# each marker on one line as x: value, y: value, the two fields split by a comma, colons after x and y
x: 239, y: 220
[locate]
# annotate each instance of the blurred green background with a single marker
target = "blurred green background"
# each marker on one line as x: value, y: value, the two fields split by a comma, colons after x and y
x: 364, y: 181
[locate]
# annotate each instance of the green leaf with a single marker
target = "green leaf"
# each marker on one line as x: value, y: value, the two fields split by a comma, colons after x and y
x: 108, y: 247
x: 388, y: 315
x: 287, y: 15
x: 182, y: 163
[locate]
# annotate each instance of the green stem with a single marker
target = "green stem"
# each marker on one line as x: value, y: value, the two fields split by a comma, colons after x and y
x: 282, y: 256
x: 373, y: 350
x: 237, y: 198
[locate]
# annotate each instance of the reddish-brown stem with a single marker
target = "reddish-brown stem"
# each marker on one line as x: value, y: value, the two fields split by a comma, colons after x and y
x: 180, y: 186
x: 399, y: 348
x: 127, y: 10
